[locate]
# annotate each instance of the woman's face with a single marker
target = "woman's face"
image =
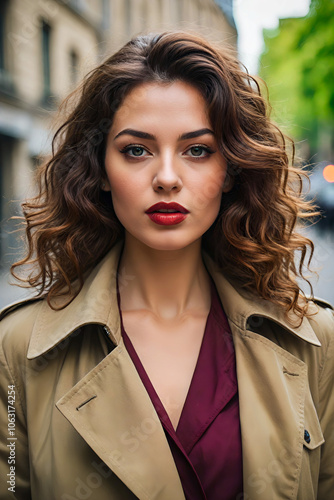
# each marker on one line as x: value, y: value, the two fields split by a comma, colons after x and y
x: 163, y: 166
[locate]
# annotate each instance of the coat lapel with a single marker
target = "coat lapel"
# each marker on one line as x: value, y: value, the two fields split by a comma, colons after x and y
x: 272, y: 386
x: 109, y: 407
x: 112, y: 411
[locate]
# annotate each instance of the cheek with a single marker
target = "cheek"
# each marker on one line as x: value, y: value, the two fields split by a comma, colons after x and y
x: 123, y: 187
x: 208, y: 192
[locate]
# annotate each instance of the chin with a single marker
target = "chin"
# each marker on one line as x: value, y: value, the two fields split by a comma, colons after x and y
x: 167, y: 242
x: 160, y: 238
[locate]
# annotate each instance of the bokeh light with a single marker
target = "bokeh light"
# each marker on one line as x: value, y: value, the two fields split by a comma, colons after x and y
x: 328, y: 173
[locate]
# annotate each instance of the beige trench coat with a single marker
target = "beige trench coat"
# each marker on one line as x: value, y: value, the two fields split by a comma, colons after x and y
x: 85, y: 426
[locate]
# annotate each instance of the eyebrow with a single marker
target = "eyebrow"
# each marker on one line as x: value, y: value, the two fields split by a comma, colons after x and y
x: 151, y: 137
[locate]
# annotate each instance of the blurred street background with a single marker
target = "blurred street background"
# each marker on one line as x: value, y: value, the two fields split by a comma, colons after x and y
x: 46, y: 46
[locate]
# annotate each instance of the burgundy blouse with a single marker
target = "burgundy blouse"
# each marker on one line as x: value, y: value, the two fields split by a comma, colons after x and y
x: 206, y: 445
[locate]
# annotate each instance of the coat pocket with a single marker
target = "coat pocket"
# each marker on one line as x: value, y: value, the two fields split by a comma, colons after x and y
x: 313, y: 439
x: 313, y: 436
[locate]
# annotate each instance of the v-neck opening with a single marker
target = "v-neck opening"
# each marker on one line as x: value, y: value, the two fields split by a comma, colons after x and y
x: 204, y: 402
x: 206, y: 444
x: 134, y: 355
x: 198, y: 359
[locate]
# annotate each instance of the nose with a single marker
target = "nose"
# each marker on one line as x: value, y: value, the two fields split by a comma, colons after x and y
x: 166, y: 176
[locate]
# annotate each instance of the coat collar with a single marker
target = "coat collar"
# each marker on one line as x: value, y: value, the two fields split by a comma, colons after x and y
x: 240, y: 306
x: 97, y: 303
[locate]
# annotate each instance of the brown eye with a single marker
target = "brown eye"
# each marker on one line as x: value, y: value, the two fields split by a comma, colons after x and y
x: 196, y: 150
x: 137, y: 151
x: 199, y: 151
x: 134, y: 151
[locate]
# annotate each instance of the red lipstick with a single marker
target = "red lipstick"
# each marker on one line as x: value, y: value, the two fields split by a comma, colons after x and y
x: 167, y: 214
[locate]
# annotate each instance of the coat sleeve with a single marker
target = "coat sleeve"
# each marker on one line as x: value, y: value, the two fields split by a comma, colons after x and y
x: 326, y: 416
x: 14, y: 455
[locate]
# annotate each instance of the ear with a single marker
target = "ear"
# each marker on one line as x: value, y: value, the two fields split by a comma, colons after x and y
x: 105, y: 184
x: 228, y: 182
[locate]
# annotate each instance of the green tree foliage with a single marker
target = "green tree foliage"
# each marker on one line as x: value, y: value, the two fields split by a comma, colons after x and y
x: 298, y: 66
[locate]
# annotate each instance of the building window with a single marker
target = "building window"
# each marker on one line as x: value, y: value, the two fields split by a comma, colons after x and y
x: 46, y: 32
x: 74, y: 67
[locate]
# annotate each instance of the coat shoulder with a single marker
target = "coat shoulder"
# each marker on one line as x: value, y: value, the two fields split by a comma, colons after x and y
x: 322, y: 321
x: 323, y: 303
x: 16, y: 324
x: 14, y: 306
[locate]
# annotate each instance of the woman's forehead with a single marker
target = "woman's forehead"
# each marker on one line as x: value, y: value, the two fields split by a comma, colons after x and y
x: 162, y: 105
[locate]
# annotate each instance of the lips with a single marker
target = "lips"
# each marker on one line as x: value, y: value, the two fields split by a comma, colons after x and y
x: 162, y: 207
x: 167, y: 214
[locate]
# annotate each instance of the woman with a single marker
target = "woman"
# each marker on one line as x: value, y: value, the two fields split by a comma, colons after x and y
x: 171, y: 353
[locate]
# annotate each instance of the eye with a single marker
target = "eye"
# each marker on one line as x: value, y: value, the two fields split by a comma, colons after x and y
x: 199, y: 151
x: 134, y: 151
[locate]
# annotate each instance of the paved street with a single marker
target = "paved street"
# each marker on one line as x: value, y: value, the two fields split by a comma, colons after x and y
x: 323, y: 262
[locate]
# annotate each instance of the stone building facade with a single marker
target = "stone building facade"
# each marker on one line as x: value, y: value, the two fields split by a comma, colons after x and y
x: 46, y: 46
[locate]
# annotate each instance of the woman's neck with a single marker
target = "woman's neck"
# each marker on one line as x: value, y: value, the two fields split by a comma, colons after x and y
x: 169, y: 284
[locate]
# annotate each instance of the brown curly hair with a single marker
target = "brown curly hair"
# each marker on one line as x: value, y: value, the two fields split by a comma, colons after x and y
x: 70, y: 224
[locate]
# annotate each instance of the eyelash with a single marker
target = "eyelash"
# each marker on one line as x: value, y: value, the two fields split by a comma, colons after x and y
x: 209, y: 151
x: 128, y: 148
